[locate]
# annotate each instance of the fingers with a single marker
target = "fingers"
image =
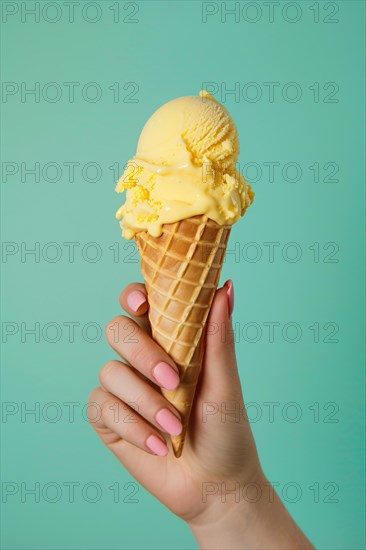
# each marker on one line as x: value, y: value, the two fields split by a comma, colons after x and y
x: 220, y: 373
x: 120, y: 420
x: 220, y: 337
x: 143, y: 464
x: 134, y: 301
x: 139, y: 350
x: 130, y: 388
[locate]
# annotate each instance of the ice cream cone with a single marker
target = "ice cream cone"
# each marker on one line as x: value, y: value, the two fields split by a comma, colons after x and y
x: 183, y: 194
x: 181, y: 269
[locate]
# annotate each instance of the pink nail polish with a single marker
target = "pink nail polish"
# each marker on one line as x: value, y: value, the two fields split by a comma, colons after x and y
x: 230, y: 296
x: 156, y: 445
x: 169, y: 422
x: 135, y: 300
x: 166, y: 376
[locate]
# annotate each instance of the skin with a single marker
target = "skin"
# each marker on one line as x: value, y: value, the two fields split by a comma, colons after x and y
x: 219, y: 452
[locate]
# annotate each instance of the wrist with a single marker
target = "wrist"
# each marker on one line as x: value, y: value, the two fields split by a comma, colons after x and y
x: 245, y: 514
x: 229, y: 506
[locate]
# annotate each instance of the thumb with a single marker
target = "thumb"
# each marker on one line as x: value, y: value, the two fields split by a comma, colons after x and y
x: 219, y: 377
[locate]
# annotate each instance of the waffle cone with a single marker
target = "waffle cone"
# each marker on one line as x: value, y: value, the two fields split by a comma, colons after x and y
x: 181, y: 269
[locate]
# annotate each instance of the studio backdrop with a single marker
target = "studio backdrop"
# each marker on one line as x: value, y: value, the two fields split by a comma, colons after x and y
x: 79, y: 81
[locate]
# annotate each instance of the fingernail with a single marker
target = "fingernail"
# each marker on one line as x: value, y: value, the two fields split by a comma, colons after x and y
x: 169, y: 422
x: 135, y: 300
x: 230, y: 296
x: 166, y: 376
x: 156, y: 445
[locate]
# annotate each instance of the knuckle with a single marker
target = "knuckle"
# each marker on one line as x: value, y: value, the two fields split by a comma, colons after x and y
x: 139, y: 403
x: 107, y: 410
x: 93, y: 406
x: 113, y: 328
x: 128, y: 432
x: 122, y: 330
x: 93, y: 396
x: 110, y: 324
x: 105, y: 372
x: 131, y: 428
x: 138, y: 355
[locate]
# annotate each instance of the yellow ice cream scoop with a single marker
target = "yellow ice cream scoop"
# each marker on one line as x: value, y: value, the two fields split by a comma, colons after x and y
x: 184, y: 166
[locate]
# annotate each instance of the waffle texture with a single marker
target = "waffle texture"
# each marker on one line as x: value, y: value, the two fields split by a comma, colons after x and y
x: 182, y: 269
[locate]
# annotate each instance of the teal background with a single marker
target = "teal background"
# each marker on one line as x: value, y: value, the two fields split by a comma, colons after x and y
x: 170, y: 52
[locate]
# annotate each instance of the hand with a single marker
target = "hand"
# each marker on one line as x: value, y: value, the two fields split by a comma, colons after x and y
x: 219, y: 452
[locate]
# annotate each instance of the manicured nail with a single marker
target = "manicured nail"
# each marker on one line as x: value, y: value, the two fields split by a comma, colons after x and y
x: 135, y: 300
x: 156, y: 445
x: 230, y: 296
x: 166, y: 376
x: 169, y: 422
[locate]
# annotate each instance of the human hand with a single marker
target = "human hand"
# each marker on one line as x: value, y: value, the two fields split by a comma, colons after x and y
x: 219, y: 449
